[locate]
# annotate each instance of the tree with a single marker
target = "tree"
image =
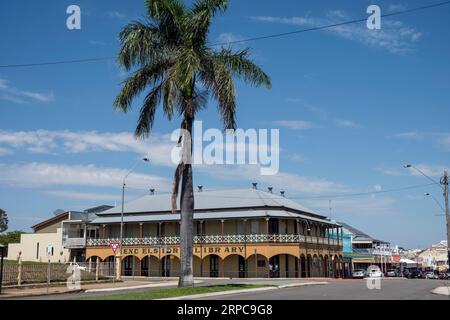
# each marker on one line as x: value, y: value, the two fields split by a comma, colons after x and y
x: 3, y: 221
x: 170, y: 57
x: 10, y: 237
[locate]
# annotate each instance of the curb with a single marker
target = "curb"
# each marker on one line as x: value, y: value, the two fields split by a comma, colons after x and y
x: 30, y: 295
x: 144, y: 286
x: 443, y: 291
x: 291, y: 285
x: 223, y: 293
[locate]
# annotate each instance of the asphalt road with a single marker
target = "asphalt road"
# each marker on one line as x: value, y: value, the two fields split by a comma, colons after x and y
x: 402, y: 289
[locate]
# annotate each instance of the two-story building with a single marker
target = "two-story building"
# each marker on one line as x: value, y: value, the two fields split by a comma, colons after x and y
x: 365, y: 250
x: 238, y: 233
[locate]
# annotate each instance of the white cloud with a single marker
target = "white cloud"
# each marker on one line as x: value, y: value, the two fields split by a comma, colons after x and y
x: 84, y: 195
x: 394, y: 36
x: 431, y: 170
x: 228, y: 37
x: 295, y: 124
x: 347, y: 124
x: 441, y: 139
x: 377, y: 188
x: 47, y: 174
x: 361, y: 206
x: 5, y: 152
x: 158, y: 147
x: 13, y: 94
x: 296, y: 157
x: 290, y: 182
x: 116, y: 15
x: 394, y: 7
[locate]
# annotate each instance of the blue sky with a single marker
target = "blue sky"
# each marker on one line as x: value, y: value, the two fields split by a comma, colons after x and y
x: 352, y: 106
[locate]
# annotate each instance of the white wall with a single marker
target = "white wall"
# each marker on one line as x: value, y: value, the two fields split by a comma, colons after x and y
x: 28, y: 247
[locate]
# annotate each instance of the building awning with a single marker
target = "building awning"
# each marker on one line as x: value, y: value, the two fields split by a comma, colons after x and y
x: 209, y: 216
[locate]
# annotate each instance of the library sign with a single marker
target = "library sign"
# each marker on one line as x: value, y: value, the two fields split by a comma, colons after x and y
x: 204, y: 250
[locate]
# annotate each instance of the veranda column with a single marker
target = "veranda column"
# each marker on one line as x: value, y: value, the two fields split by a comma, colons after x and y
x: 267, y: 239
x: 118, y: 265
x: 299, y: 261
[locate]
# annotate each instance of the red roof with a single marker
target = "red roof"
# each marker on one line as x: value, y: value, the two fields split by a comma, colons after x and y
x: 54, y: 219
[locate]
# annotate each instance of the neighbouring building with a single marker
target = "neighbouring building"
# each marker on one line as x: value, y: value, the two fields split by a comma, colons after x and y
x: 50, y: 240
x: 43, y: 244
x: 238, y: 233
x: 364, y: 250
x: 435, y: 257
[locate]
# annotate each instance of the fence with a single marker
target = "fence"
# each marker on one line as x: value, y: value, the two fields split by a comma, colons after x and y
x: 16, y: 273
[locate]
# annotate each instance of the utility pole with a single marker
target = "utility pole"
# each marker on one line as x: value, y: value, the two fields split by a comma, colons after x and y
x: 444, y: 182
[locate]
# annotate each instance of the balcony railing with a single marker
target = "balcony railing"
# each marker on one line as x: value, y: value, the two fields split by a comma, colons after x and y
x: 217, y: 239
x: 74, y: 243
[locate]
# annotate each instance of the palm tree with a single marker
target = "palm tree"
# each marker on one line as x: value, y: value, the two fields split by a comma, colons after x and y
x: 170, y: 57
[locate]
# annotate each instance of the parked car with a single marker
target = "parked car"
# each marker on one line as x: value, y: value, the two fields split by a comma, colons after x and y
x: 413, y: 274
x: 444, y: 276
x: 391, y: 273
x: 374, y: 273
x: 359, y: 274
x: 431, y: 275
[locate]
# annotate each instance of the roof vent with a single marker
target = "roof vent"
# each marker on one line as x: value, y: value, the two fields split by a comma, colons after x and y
x: 152, y: 191
x: 255, y: 185
x: 270, y: 189
x: 200, y: 188
x: 282, y: 193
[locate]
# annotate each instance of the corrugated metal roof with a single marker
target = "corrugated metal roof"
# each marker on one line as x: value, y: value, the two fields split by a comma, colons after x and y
x: 213, y: 200
x: 207, y: 216
x: 358, y: 235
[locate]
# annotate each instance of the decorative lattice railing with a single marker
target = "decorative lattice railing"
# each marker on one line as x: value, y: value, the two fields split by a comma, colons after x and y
x: 217, y: 239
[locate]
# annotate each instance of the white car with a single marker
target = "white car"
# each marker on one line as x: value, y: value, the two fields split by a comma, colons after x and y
x: 375, y: 274
x: 359, y: 273
x: 431, y: 275
x: 77, y: 266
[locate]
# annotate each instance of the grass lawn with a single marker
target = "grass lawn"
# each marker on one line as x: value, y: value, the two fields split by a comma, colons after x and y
x: 172, y: 292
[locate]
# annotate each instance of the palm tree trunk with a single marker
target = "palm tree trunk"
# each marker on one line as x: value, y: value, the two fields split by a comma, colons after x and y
x: 187, y: 216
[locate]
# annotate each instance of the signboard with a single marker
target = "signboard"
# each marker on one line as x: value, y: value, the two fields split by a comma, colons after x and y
x: 114, y: 246
x: 49, y: 251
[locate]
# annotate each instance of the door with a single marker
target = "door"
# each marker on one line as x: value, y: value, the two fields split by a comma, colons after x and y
x: 128, y: 266
x: 213, y: 266
x: 241, y: 267
x: 274, y: 267
x: 144, y: 267
x: 165, y: 266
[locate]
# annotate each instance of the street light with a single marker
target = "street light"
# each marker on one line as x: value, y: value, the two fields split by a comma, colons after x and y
x: 123, y: 201
x: 409, y: 166
x: 2, y: 252
x: 435, y: 200
x: 443, y: 184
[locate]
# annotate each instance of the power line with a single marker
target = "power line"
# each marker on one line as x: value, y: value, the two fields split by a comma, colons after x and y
x: 342, y: 195
x: 277, y: 35
x: 57, y: 62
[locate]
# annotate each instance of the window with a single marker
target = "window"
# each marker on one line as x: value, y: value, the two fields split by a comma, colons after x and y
x: 37, y: 250
x: 273, y: 226
x: 254, y: 227
x: 240, y: 227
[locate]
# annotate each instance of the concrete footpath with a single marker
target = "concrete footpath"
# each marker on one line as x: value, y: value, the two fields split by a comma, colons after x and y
x: 231, y: 292
x: 140, y: 284
x: 444, y: 291
x: 23, y: 292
